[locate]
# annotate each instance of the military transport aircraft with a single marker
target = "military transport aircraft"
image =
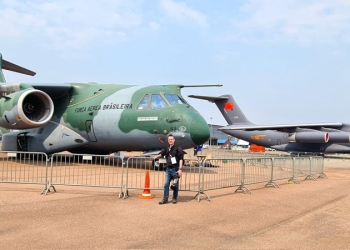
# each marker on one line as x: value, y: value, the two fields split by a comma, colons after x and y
x: 95, y: 118
x: 317, y: 138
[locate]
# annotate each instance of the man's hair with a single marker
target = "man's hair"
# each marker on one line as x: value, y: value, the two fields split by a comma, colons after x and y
x: 171, y: 136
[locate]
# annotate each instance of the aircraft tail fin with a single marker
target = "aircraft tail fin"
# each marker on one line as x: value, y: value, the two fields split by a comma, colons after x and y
x: 12, y: 67
x: 228, y: 108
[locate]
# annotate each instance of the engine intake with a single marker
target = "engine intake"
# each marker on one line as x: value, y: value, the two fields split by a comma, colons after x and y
x: 29, y: 108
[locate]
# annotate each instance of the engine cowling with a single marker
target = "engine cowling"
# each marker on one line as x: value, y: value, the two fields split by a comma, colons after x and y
x: 29, y: 108
x: 309, y: 137
x: 339, y: 137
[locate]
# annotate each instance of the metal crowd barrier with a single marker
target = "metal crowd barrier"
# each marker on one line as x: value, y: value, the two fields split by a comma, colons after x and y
x: 134, y: 177
x: 221, y: 173
x: 229, y: 154
x: 23, y: 168
x: 113, y: 172
x: 258, y: 170
x: 136, y: 168
x: 85, y: 170
x: 283, y: 168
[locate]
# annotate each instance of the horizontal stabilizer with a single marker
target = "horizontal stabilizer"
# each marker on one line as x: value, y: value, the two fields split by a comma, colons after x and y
x: 12, y: 67
x: 200, y: 86
x: 15, y: 68
x: 209, y: 98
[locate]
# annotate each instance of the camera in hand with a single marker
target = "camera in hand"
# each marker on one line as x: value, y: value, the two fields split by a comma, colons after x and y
x: 175, y: 181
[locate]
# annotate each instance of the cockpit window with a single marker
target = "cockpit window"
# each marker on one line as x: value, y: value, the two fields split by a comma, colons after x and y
x: 144, y: 103
x: 174, y: 99
x: 157, y: 102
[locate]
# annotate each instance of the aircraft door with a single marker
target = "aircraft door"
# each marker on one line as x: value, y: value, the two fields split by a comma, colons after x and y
x: 89, y: 126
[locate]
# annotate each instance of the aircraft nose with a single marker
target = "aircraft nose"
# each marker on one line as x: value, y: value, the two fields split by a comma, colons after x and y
x: 200, y: 132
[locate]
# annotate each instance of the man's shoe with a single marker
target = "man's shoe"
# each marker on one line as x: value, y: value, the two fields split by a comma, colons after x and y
x: 174, y: 201
x: 164, y: 201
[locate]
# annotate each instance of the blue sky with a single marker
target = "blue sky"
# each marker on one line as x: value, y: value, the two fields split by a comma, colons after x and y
x: 283, y: 61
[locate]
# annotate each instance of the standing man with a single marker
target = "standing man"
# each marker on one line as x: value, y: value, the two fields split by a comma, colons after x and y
x: 174, y: 161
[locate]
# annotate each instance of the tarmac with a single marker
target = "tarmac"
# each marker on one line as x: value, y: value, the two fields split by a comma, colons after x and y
x: 314, y: 214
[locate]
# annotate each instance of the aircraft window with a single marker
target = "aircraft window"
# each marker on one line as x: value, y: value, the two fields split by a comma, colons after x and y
x: 157, y: 102
x: 144, y: 103
x: 174, y: 99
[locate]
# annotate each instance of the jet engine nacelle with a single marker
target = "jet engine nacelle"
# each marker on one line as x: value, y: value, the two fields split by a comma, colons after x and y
x: 339, y: 137
x: 309, y: 137
x: 29, y: 108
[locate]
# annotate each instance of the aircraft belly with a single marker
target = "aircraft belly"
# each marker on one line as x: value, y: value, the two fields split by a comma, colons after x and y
x: 306, y: 147
x: 113, y: 142
x: 262, y: 138
x: 338, y: 148
x: 58, y: 139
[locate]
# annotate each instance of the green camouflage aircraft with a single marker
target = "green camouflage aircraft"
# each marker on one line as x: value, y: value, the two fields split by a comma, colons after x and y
x: 95, y: 118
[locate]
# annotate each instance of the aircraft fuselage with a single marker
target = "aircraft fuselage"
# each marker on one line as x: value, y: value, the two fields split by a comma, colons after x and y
x: 279, y: 141
x: 105, y: 118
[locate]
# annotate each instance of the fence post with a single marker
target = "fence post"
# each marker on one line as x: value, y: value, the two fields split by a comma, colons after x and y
x: 271, y: 182
x: 201, y: 182
x: 242, y: 187
x: 309, y: 176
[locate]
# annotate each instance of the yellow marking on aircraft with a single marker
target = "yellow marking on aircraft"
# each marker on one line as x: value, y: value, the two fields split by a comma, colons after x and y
x: 94, y: 96
x: 257, y: 137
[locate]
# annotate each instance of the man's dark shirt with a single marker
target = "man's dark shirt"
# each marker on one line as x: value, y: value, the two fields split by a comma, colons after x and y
x: 174, y: 151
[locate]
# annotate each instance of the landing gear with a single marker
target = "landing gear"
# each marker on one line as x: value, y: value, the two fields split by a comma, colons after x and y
x: 157, y: 165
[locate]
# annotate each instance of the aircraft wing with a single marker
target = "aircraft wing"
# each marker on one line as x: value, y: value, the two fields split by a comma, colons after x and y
x: 54, y: 90
x: 330, y: 126
x: 151, y: 152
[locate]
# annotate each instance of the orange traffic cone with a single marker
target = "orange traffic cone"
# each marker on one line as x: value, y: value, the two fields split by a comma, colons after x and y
x: 146, y: 192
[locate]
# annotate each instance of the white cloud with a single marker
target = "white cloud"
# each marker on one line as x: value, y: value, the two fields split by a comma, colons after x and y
x: 179, y: 11
x: 224, y: 56
x: 302, y: 21
x: 154, y: 25
x: 76, y: 23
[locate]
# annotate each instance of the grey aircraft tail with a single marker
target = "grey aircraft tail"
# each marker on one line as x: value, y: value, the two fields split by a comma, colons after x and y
x: 228, y: 108
x: 12, y: 67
